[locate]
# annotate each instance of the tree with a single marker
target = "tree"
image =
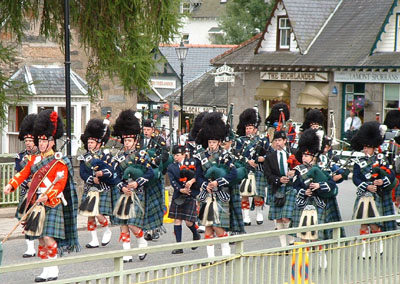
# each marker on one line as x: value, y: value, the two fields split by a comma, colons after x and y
x: 243, y: 19
x: 118, y: 36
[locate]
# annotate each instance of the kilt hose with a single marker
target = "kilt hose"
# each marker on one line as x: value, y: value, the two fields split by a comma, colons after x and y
x: 385, y: 207
x: 261, y: 184
x: 106, y: 205
x: 186, y: 211
x: 286, y: 211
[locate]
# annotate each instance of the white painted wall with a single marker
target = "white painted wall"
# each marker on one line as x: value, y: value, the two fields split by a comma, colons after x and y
x: 197, y: 30
x: 269, y: 42
x: 387, y: 42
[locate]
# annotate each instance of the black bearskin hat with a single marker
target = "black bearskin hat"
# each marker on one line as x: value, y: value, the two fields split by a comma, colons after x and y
x: 309, y: 142
x: 148, y: 123
x: 196, y: 126
x: 248, y: 117
x: 213, y: 127
x: 126, y: 125
x: 275, y: 113
x: 95, y: 130
x: 26, y: 130
x: 369, y: 134
x: 48, y: 124
x: 392, y: 119
x: 313, y: 116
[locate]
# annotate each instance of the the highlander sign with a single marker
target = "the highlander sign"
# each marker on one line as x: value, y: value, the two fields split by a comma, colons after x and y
x: 295, y: 76
x: 367, y: 77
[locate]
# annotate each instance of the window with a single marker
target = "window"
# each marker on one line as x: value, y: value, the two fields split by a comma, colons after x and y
x: 355, y: 99
x: 391, y: 97
x: 397, y: 33
x: 283, y: 40
x: 185, y: 38
x: 15, y: 117
x: 185, y: 7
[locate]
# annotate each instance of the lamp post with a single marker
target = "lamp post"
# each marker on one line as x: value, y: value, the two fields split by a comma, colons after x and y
x: 181, y: 52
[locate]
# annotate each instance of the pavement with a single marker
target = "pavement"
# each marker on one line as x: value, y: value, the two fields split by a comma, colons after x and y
x: 8, y: 222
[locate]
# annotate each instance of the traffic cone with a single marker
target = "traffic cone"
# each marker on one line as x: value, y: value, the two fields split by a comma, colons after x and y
x: 166, y: 208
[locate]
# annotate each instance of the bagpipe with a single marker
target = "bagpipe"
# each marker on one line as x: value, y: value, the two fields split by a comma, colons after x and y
x: 186, y: 173
x: 126, y: 204
x: 159, y: 155
x: 309, y: 216
x: 209, y: 209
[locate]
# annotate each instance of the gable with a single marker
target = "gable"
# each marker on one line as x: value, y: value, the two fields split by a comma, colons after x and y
x: 388, y: 38
x: 269, y: 40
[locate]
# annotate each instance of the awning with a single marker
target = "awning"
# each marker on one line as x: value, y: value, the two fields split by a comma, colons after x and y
x: 314, y: 95
x: 269, y: 90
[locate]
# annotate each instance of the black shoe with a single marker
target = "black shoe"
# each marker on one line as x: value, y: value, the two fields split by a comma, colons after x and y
x: 89, y: 246
x: 177, y: 251
x: 155, y: 235
x: 247, y: 224
x: 40, y: 279
x: 104, y: 244
x: 26, y: 255
x: 259, y: 222
x: 200, y: 231
x: 196, y: 238
x: 148, y: 237
x: 142, y: 257
x: 52, y: 278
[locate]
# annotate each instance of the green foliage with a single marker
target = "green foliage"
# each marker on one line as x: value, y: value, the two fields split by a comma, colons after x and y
x: 119, y: 36
x: 243, y: 19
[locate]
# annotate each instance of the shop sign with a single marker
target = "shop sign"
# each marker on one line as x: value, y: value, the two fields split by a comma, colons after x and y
x: 163, y: 84
x: 295, y: 76
x: 367, y: 77
x: 199, y: 109
x: 224, y: 74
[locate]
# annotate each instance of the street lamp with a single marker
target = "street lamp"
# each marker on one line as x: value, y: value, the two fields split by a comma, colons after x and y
x: 181, y: 52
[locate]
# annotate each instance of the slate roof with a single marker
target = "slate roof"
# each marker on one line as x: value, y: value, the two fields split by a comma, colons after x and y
x: 346, y: 41
x: 49, y: 80
x: 203, y: 92
x: 307, y: 17
x: 197, y: 60
x: 209, y: 9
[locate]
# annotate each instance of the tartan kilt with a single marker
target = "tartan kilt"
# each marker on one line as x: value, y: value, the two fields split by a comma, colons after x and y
x: 139, y: 218
x: 53, y: 223
x: 187, y: 211
x: 385, y: 207
x: 286, y: 211
x: 236, y: 217
x: 154, y: 210
x: 106, y: 205
x: 224, y: 215
x: 261, y: 184
x: 332, y: 215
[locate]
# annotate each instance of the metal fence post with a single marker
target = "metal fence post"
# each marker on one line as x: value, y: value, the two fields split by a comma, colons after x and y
x: 335, y: 257
x: 118, y: 267
x: 239, y: 262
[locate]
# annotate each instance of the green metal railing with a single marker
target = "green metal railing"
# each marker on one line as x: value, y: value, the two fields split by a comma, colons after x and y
x: 6, y: 173
x: 301, y: 263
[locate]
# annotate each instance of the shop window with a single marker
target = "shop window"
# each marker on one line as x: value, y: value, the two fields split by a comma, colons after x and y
x: 15, y: 117
x: 283, y: 40
x: 391, y: 98
x: 355, y: 99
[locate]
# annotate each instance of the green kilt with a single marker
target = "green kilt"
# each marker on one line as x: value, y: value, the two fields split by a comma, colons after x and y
x: 224, y: 215
x: 139, y: 213
x: 154, y: 210
x: 186, y: 211
x: 236, y: 217
x: 261, y: 184
x: 385, y: 207
x: 53, y: 223
x: 106, y: 205
x: 286, y: 211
